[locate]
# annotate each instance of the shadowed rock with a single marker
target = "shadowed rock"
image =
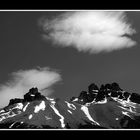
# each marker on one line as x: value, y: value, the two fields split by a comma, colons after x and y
x: 120, y: 95
x: 126, y: 95
x: 83, y: 96
x: 87, y: 97
x: 33, y: 94
x: 113, y: 86
x: 92, y: 88
x: 135, y: 98
x: 114, y: 94
x: 107, y: 90
x: 102, y: 87
x: 116, y: 87
x: 108, y: 87
x: 100, y: 96
x: 14, y: 101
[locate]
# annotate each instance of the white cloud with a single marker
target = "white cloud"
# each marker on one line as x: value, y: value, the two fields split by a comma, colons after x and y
x: 23, y: 80
x: 92, y: 31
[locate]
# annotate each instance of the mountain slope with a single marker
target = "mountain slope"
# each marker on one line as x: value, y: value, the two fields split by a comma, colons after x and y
x: 98, y: 108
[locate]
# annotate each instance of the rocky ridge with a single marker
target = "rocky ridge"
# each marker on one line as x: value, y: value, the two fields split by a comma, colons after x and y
x: 104, y: 107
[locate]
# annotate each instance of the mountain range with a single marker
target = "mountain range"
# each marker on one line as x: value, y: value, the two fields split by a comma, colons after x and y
x: 104, y: 107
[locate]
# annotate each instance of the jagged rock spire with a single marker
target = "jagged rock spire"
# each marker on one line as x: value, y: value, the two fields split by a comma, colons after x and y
x: 108, y: 86
x: 14, y: 101
x: 92, y: 88
x: 102, y: 87
x: 135, y: 98
x: 115, y: 86
x: 105, y: 91
x: 33, y: 94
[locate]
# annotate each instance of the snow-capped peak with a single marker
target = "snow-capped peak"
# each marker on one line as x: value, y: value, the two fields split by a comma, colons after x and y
x: 106, y: 107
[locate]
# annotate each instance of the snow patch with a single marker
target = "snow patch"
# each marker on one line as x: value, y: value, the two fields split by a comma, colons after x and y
x: 51, y: 100
x: 10, y: 113
x: 30, y: 116
x: 69, y: 111
x: 61, y: 117
x: 7, y: 115
x: 128, y: 109
x: 12, y: 125
x: 18, y: 106
x: 47, y: 118
x: 93, y: 102
x: 127, y: 105
x: 39, y: 107
x: 71, y: 106
x: 102, y: 102
x: 24, y: 109
x: 117, y: 119
x: 126, y: 113
x: 76, y: 99
x: 2, y: 111
x: 86, y: 111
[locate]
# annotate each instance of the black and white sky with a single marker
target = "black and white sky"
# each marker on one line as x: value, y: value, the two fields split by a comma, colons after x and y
x: 62, y: 52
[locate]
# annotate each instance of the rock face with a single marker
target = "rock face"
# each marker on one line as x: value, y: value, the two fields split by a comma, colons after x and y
x: 14, y: 101
x: 92, y: 88
x: 135, y: 98
x: 97, y: 94
x: 32, y: 95
x: 102, y: 107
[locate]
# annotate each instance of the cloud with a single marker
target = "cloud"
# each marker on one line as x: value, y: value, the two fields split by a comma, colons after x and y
x: 90, y: 31
x: 22, y: 80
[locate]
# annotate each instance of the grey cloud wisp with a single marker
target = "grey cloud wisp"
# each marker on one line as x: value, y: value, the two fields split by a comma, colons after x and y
x: 90, y: 31
x: 22, y: 80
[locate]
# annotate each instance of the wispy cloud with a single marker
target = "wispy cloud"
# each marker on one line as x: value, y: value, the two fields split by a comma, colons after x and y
x: 22, y: 80
x: 90, y: 31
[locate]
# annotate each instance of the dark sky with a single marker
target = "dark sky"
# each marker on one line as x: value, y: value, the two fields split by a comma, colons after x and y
x: 22, y: 47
